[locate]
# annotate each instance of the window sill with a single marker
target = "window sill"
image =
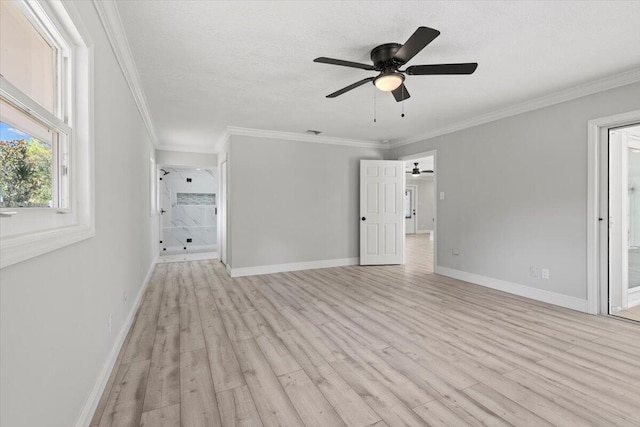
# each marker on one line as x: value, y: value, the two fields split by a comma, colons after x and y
x: 21, y: 248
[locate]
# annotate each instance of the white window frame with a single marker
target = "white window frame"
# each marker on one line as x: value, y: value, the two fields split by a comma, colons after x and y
x: 30, y: 232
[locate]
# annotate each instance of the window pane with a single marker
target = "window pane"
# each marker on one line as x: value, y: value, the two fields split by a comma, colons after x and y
x: 26, y: 60
x: 26, y: 160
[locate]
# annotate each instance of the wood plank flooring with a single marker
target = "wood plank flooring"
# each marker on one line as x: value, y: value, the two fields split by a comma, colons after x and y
x: 365, y: 346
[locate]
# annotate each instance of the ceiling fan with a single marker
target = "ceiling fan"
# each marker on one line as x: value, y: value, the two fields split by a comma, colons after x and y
x: 416, y: 170
x: 389, y: 57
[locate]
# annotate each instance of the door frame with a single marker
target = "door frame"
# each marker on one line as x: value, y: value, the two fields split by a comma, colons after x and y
x: 420, y: 155
x: 414, y: 204
x: 223, y: 232
x: 597, y: 195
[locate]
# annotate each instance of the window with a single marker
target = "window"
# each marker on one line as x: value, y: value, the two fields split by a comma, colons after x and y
x: 45, y: 129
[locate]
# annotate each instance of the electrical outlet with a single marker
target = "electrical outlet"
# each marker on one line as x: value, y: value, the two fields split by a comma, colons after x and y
x: 546, y: 273
x: 442, y: 195
x: 124, y: 297
x: 534, y: 271
x: 455, y: 251
x: 110, y: 324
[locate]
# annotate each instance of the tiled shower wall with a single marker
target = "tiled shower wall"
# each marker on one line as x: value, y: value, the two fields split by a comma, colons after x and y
x: 189, y: 200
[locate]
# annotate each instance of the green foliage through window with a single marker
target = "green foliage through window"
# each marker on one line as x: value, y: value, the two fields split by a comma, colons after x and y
x: 25, y: 173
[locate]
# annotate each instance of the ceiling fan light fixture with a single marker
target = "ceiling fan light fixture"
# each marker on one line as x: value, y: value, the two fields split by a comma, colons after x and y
x: 415, y: 173
x: 388, y: 82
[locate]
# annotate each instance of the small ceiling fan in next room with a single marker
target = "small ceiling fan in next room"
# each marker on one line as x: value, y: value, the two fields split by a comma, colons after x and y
x: 416, y: 170
x: 388, y: 59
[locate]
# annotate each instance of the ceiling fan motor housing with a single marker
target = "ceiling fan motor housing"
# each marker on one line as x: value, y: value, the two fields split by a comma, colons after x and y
x: 382, y: 56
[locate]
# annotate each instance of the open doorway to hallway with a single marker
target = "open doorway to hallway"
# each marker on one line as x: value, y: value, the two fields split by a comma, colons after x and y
x: 624, y: 222
x: 420, y: 211
x: 188, y: 200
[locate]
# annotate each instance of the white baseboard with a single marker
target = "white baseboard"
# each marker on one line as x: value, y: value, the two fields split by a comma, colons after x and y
x: 188, y: 257
x: 296, y: 266
x: 633, y: 297
x: 516, y: 289
x: 423, y: 231
x: 96, y: 392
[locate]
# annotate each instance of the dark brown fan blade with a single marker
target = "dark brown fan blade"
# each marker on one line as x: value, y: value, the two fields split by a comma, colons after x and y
x: 332, y: 61
x: 418, y: 40
x: 401, y: 93
x: 348, y: 88
x: 427, y: 171
x: 430, y: 70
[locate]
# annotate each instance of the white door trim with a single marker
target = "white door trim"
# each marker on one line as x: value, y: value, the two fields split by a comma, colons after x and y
x: 223, y: 233
x: 433, y: 153
x: 595, y: 262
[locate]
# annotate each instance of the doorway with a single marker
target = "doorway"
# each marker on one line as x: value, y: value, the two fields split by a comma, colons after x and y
x: 624, y: 221
x: 188, y: 213
x: 420, y: 209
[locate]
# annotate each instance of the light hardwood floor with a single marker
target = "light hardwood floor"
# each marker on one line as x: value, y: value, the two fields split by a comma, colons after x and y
x: 632, y: 313
x: 365, y: 346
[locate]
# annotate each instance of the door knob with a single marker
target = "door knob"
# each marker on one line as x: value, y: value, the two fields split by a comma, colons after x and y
x: 162, y: 211
x: 364, y: 219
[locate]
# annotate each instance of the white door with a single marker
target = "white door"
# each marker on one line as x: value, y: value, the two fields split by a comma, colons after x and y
x: 381, y: 212
x: 410, y: 218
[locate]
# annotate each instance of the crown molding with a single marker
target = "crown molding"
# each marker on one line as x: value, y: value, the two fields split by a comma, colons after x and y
x: 301, y: 137
x: 110, y: 19
x: 222, y: 141
x: 611, y: 82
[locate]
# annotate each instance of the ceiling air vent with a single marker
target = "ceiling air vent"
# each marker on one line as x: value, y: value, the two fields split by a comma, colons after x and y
x: 313, y: 132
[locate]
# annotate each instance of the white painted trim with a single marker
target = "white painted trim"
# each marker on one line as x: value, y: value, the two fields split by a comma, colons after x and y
x: 110, y: 18
x: 516, y: 289
x: 222, y: 142
x: 93, y: 399
x: 593, y: 202
x: 424, y: 231
x: 188, y: 257
x: 17, y: 249
x: 633, y: 297
x: 296, y: 266
x: 596, y: 86
x: 302, y: 137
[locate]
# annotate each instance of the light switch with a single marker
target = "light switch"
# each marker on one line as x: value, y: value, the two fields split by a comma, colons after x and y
x: 442, y: 195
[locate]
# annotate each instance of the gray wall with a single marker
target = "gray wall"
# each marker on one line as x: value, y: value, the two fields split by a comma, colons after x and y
x: 516, y: 192
x: 54, y: 309
x: 293, y: 201
x: 425, y: 199
x: 180, y: 158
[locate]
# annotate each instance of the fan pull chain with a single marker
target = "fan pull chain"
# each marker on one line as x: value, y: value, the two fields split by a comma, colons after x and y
x: 374, y: 105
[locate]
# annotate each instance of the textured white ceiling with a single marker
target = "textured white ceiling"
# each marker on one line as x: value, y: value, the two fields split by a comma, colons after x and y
x: 206, y: 65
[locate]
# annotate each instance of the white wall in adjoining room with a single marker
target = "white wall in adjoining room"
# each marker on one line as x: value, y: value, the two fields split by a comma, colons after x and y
x: 425, y: 202
x: 182, y: 158
x: 54, y: 308
x: 293, y: 201
x: 516, y: 196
